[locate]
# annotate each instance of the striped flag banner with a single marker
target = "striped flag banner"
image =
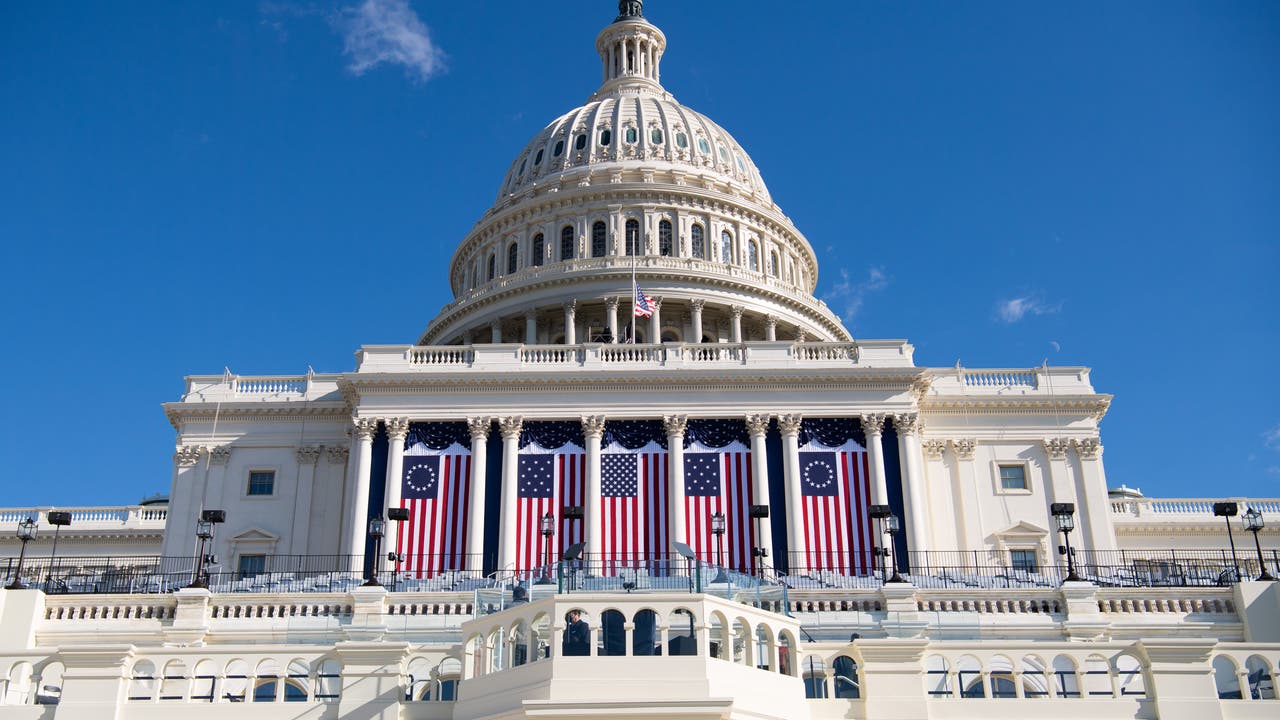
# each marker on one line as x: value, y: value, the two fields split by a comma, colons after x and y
x: 718, y: 480
x: 435, y: 489
x: 547, y: 481
x: 835, y: 489
x: 633, y: 506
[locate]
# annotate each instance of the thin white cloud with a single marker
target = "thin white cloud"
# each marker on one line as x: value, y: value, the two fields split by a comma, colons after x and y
x: 388, y: 32
x: 849, y: 296
x: 1272, y: 438
x: 1013, y: 310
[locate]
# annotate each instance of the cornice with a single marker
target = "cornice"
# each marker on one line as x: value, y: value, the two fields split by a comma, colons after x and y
x: 1094, y: 406
x: 179, y: 412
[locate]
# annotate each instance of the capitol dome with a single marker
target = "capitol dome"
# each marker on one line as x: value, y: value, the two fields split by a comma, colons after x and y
x: 633, y: 188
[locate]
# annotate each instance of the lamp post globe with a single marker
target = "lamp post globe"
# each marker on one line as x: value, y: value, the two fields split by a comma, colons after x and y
x: 26, y: 533
x: 1253, y: 522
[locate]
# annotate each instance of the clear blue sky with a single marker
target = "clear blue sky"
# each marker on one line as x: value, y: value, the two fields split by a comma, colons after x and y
x: 269, y: 185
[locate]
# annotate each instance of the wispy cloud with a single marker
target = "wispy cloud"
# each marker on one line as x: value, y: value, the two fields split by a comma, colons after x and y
x: 848, y: 295
x: 1272, y: 438
x: 1012, y: 310
x: 388, y: 32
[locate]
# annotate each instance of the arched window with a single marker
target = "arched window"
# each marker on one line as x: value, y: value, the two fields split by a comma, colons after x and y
x: 814, y: 673
x: 493, y: 266
x: 936, y: 680
x: 682, y: 140
x: 598, y: 238
x: 49, y: 686
x: 681, y: 638
x: 203, y: 680
x: 142, y: 682
x: 297, y: 682
x: 726, y: 247
x: 665, y: 245
x: 1129, y: 676
x: 696, y: 248
x: 537, y: 159
x: 644, y: 638
x: 655, y: 136
x: 266, y: 681
x: 631, y: 136
x: 513, y: 258
x: 606, y: 137
x: 703, y: 147
x: 1065, y: 681
x: 773, y: 263
x: 580, y: 142
x: 566, y: 243
x: 539, y: 250
x: 633, y: 237
x: 519, y: 639
x: 329, y: 680
x: 1261, y: 684
x: 969, y: 677
x: 846, y: 677
x: 173, y: 684
x: 753, y: 255
x: 1097, y: 677
x: 1226, y: 679
x: 613, y: 632
x: 1034, y: 683
x: 235, y: 682
x: 1003, y: 684
x: 559, y: 150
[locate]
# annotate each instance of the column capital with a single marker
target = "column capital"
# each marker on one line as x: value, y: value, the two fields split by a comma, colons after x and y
x: 479, y: 426
x: 187, y: 455
x: 397, y: 427
x: 365, y: 427
x: 1056, y: 447
x: 510, y: 427
x: 570, y: 306
x: 1089, y: 448
x: 964, y: 447
x: 611, y: 303
x: 308, y: 455
x: 220, y: 454
x: 907, y: 423
x: 737, y: 311
x: 675, y: 425
x: 593, y: 426
x: 531, y: 314
x: 770, y: 321
x: 934, y: 448
x: 873, y: 423
x: 789, y: 424
x: 757, y: 425
x: 697, y: 304
x: 338, y: 454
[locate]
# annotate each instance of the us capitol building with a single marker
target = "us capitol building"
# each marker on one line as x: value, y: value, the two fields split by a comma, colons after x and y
x: 635, y: 409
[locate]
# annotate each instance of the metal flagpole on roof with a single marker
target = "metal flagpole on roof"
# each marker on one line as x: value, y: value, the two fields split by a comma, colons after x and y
x: 635, y: 292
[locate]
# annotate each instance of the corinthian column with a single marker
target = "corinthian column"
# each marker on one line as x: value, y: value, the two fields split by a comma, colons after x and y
x: 1095, y: 508
x: 655, y: 322
x: 908, y: 426
x: 611, y: 315
x: 696, y: 315
x: 365, y: 429
x: 593, y: 430
x: 570, y: 322
x: 873, y: 428
x: 736, y: 328
x: 675, y: 426
x: 479, y: 428
x: 510, y: 428
x: 789, y: 426
x: 757, y: 426
x: 397, y: 430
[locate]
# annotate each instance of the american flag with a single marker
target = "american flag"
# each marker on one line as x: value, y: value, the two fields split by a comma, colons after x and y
x: 547, y: 482
x: 720, y: 481
x: 643, y: 304
x: 435, y: 489
x: 835, y: 491
x: 633, y: 507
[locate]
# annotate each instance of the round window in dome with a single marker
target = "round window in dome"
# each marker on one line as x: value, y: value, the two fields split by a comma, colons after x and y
x: 537, y: 159
x: 655, y: 136
x: 559, y: 148
x: 682, y: 141
x: 631, y: 136
x: 703, y: 147
x: 580, y: 142
x: 606, y: 137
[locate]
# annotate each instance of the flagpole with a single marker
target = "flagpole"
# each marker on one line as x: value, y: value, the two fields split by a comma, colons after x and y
x: 635, y: 290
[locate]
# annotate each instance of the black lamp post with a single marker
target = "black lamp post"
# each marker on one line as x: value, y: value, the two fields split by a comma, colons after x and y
x: 1065, y: 515
x: 58, y: 519
x: 377, y: 529
x: 1253, y: 523
x: 26, y: 533
x: 548, y: 530
x: 717, y: 529
x: 1228, y: 510
x: 881, y: 513
x: 204, y: 531
x: 891, y: 527
x: 759, y: 553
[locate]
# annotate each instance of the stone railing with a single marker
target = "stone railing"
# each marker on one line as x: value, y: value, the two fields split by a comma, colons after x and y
x: 515, y: 357
x: 1042, y: 381
x: 1198, y: 509
x: 124, y: 517
x: 239, y: 388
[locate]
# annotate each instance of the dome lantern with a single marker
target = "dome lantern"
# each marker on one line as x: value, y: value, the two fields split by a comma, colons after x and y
x: 630, y: 49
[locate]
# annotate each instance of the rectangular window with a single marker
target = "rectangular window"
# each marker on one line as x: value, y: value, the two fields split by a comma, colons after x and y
x: 1013, y: 477
x: 262, y: 482
x: 1023, y: 560
x: 251, y: 565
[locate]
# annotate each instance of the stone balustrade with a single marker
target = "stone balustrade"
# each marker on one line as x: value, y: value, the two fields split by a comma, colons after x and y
x: 123, y: 517
x: 271, y: 388
x: 1186, y: 508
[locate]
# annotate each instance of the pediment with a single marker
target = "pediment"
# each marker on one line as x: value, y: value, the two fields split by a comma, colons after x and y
x: 255, y: 535
x: 1023, y: 529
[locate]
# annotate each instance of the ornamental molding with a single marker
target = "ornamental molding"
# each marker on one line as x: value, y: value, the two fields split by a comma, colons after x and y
x: 965, y: 447
x: 220, y: 455
x: 907, y: 423
x: 1056, y: 448
x: 934, y: 448
x: 479, y: 426
x: 510, y: 427
x: 873, y: 423
x: 789, y: 425
x: 337, y: 454
x: 757, y: 425
x: 1088, y: 448
x: 675, y: 425
x: 308, y: 455
x: 397, y: 427
x: 180, y: 413
x: 187, y: 455
x: 1091, y: 406
x: 593, y: 426
x: 365, y: 427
